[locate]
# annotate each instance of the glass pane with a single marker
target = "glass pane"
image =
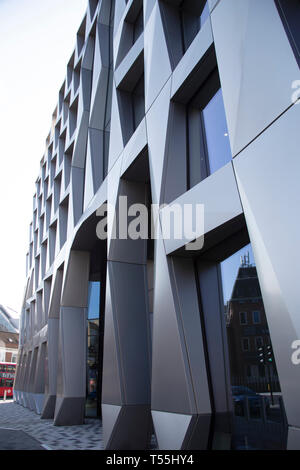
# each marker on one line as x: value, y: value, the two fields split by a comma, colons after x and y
x: 94, y: 300
x: 216, y: 132
x: 91, y: 406
x: 92, y: 380
x: 259, y: 416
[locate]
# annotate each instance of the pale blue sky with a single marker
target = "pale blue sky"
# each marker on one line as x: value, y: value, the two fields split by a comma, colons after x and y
x: 37, y: 38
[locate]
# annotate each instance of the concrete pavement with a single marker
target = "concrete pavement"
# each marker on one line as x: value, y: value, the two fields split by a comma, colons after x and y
x: 35, y: 433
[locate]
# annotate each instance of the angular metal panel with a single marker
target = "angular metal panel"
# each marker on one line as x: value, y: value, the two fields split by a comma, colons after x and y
x: 157, y: 124
x: 170, y: 429
x: 219, y: 195
x: 157, y: 62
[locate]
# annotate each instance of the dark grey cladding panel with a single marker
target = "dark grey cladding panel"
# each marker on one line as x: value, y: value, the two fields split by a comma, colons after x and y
x: 128, y: 250
x: 128, y: 286
x: 49, y: 407
x: 213, y: 324
x: 175, y: 168
x: 138, y: 424
x: 70, y: 411
x: 170, y: 369
x: 112, y: 386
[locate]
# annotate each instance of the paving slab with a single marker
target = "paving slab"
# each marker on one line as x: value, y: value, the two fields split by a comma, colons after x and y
x: 15, y: 417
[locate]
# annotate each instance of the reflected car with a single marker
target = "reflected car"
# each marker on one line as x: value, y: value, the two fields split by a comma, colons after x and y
x: 239, y: 394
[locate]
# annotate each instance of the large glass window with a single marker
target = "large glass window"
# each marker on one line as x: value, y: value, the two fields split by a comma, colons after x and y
x: 259, y: 416
x: 207, y: 132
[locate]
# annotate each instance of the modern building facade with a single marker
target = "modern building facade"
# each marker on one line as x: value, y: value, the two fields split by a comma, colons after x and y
x: 171, y: 103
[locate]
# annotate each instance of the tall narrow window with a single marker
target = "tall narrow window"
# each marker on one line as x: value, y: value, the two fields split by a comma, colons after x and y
x: 245, y: 344
x: 216, y: 133
x: 207, y: 132
x: 243, y: 318
x: 256, y: 317
x: 93, y: 315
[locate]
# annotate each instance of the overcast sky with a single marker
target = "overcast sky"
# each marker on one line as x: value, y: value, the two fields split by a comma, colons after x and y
x: 37, y: 38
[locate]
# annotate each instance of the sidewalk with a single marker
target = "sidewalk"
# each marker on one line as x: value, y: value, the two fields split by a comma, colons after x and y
x: 40, y: 434
x: 17, y: 440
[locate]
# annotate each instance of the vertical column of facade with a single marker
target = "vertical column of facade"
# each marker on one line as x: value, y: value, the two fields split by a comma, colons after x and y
x: 30, y: 390
x: 26, y: 401
x: 17, y: 381
x: 126, y: 361
x: 50, y: 354
x: 38, y: 388
x: 197, y: 414
x: 21, y: 380
x: 71, y: 371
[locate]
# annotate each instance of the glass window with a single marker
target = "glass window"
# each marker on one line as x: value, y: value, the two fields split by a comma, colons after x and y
x: 94, y: 300
x: 91, y: 406
x: 248, y: 374
x: 216, y: 132
x: 256, y: 316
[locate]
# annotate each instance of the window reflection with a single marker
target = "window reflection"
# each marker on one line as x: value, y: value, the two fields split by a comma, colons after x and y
x: 259, y: 417
x: 93, y: 348
x: 94, y: 300
x: 216, y: 132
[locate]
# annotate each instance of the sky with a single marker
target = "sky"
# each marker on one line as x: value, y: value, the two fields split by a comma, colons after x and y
x: 37, y: 38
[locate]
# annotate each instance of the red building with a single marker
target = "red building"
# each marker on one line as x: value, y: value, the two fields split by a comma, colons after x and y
x: 247, y: 331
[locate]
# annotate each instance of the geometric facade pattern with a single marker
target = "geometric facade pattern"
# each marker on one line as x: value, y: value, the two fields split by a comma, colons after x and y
x: 129, y: 123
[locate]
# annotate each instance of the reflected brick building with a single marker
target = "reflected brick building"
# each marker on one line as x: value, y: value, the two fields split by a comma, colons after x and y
x: 247, y: 330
